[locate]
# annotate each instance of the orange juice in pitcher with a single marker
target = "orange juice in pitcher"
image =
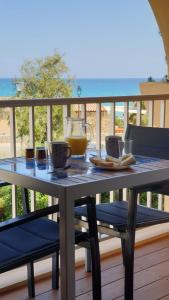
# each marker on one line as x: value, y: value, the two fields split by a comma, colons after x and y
x: 78, y: 144
x: 76, y: 136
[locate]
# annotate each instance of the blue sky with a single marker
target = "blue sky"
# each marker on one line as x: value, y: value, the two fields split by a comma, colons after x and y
x: 103, y: 39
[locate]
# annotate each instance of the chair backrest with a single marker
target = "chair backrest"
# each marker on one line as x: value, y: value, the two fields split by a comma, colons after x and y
x: 149, y: 141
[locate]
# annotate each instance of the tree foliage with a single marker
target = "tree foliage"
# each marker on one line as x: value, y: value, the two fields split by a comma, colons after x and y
x: 43, y: 78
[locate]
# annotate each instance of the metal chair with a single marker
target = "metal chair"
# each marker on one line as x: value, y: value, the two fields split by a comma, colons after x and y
x: 27, y: 238
x: 153, y: 142
x: 149, y: 142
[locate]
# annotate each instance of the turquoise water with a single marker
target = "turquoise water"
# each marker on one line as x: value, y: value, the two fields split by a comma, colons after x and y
x: 89, y: 87
x: 7, y: 87
x: 108, y: 87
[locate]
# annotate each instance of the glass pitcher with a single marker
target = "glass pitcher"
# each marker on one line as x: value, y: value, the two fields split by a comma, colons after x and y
x: 76, y: 135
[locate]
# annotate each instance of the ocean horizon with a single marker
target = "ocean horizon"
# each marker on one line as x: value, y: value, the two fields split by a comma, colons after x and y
x: 87, y: 87
x: 103, y: 87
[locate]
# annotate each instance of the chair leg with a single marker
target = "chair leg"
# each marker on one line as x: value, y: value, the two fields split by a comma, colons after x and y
x: 55, y: 270
x: 129, y: 245
x: 96, y: 272
x: 25, y: 200
x: 123, y: 242
x: 129, y: 265
x: 95, y: 253
x: 88, y: 262
x: 31, y: 281
x: 120, y: 195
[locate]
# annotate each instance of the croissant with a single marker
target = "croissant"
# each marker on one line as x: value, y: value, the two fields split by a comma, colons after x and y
x: 110, y: 162
x: 128, y: 160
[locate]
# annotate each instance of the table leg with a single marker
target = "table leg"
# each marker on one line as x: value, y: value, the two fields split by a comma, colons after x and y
x: 129, y: 246
x: 67, y: 256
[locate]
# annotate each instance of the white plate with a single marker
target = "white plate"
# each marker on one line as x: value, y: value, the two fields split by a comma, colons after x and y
x: 112, y: 168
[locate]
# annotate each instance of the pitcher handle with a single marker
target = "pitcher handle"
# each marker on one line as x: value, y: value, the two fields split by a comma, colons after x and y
x: 69, y: 151
x: 90, y: 131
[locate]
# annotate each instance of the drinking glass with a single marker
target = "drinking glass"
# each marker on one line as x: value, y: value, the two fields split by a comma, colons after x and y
x: 125, y: 147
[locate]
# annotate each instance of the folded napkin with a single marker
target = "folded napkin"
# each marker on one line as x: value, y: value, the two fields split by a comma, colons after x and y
x: 110, y: 161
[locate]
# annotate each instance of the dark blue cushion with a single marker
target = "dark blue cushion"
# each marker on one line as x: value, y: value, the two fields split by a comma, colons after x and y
x: 116, y: 214
x: 30, y: 239
x: 21, y: 240
x: 43, y: 228
x: 49, y: 229
x: 7, y: 253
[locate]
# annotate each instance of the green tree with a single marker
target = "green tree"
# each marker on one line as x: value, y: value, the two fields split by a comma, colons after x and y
x: 43, y: 78
x: 47, y: 77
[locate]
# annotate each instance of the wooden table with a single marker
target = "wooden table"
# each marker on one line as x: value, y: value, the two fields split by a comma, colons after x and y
x: 81, y: 179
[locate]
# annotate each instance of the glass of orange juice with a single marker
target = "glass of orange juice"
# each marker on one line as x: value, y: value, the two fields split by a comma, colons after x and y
x: 76, y: 136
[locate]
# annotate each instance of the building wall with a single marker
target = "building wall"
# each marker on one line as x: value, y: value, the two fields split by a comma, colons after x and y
x: 152, y: 88
x: 161, y: 12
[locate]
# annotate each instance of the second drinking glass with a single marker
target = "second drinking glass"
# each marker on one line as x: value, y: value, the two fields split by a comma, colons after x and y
x: 125, y: 147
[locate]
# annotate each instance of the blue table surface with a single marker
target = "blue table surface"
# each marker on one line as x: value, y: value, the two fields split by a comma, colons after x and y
x: 43, y: 168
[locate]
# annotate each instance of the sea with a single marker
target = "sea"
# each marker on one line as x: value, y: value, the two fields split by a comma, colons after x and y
x: 83, y: 88
x: 86, y: 87
x: 107, y: 87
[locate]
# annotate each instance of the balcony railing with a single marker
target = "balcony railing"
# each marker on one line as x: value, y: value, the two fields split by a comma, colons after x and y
x: 137, y: 109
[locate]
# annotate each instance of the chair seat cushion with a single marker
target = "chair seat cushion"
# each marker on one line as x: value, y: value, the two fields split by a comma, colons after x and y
x: 116, y: 214
x: 31, y: 240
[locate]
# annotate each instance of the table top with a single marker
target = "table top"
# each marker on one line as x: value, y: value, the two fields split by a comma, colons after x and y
x: 81, y: 177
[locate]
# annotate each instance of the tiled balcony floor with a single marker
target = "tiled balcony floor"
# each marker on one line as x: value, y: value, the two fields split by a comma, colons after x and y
x: 151, y: 277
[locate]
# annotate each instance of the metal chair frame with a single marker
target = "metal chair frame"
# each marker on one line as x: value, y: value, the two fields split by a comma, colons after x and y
x: 89, y: 240
x: 154, y: 142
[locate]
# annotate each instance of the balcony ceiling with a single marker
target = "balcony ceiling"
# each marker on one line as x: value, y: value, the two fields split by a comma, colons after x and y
x: 161, y: 12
